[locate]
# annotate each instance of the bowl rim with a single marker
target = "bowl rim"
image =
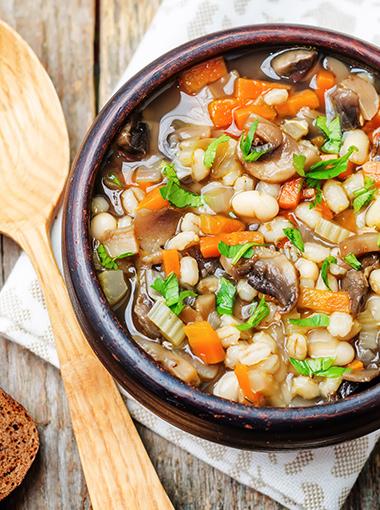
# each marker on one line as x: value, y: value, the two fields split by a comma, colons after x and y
x: 107, y: 331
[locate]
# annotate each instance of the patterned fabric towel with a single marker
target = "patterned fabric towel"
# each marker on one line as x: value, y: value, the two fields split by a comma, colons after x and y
x: 312, y: 479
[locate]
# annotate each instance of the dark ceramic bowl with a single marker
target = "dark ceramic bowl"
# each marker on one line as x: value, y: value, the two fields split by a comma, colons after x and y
x: 201, y: 414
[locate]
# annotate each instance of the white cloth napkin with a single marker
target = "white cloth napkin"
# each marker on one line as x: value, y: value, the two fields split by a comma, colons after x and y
x: 310, y: 479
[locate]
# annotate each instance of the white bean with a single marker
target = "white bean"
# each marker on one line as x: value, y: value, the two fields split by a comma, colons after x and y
x: 335, y: 196
x: 273, y: 230
x: 182, y: 241
x: 316, y: 252
x: 101, y: 224
x: 358, y: 139
x: 99, y: 204
x: 372, y: 217
x: 130, y: 199
x: 255, y: 353
x: 340, y: 324
x: 243, y: 183
x: 374, y: 280
x: 307, y: 269
x: 227, y: 387
x: 310, y: 217
x: 124, y: 221
x: 353, y: 183
x: 332, y: 281
x: 254, y: 204
x: 189, y: 272
x: 245, y: 291
x: 345, y: 353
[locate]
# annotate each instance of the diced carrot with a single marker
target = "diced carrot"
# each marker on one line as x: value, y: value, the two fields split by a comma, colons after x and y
x: 241, y: 114
x: 356, y: 365
x: 195, y: 78
x: 371, y: 169
x: 218, y: 224
x: 205, y: 342
x: 349, y: 171
x: 324, y: 300
x: 242, y: 374
x: 280, y: 245
x: 153, y: 200
x: 209, y: 244
x: 372, y: 124
x: 220, y: 111
x: 144, y: 184
x: 290, y: 193
x: 289, y: 216
x: 325, y: 210
x: 252, y: 89
x: 170, y: 259
x: 324, y: 81
x: 296, y: 101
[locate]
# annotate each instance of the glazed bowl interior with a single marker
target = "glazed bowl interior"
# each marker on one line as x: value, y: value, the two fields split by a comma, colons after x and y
x: 202, y: 414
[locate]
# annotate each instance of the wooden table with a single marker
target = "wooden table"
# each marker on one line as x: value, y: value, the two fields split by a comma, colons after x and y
x: 85, y: 45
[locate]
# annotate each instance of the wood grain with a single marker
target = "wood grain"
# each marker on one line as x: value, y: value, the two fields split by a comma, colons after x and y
x: 56, y: 481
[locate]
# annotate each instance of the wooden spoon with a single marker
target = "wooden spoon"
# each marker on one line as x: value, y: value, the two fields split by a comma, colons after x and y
x: 34, y: 164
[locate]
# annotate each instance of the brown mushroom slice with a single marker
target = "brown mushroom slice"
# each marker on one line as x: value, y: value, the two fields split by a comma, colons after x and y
x: 362, y: 376
x: 134, y: 139
x: 368, y: 96
x: 337, y: 67
x: 356, y: 284
x: 360, y: 244
x: 154, y: 228
x: 294, y: 64
x: 345, y: 103
x: 273, y: 274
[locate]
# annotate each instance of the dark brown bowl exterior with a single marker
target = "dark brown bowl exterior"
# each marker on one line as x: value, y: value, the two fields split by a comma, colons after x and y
x: 201, y: 414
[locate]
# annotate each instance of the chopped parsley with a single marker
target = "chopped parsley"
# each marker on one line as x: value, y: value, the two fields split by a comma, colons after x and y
x: 325, y: 267
x: 321, y: 367
x: 115, y: 180
x: 295, y: 237
x: 246, y: 140
x: 210, y: 152
x: 299, y: 164
x: 318, y: 320
x: 352, y: 261
x: 174, y: 193
x: 225, y: 297
x: 330, y: 168
x: 333, y: 133
x: 259, y: 313
x: 237, y: 251
x: 169, y: 289
x: 365, y: 195
x: 110, y: 262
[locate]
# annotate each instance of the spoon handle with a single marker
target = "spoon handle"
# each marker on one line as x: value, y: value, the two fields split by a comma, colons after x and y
x: 118, y: 471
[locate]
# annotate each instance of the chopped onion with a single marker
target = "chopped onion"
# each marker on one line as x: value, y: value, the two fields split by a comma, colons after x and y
x: 217, y: 196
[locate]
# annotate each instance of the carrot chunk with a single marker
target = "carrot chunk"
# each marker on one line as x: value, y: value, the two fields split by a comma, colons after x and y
x: 371, y: 170
x: 219, y: 224
x: 296, y: 101
x: 153, y: 200
x: 195, y: 78
x: 205, y: 342
x: 325, y: 210
x: 220, y: 111
x: 324, y: 81
x: 170, y: 260
x: 209, y: 245
x: 252, y: 89
x: 324, y: 300
x: 241, y: 114
x: 242, y: 374
x: 290, y: 193
x: 356, y: 365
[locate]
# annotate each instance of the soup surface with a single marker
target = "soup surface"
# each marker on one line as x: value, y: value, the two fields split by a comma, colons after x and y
x: 235, y: 227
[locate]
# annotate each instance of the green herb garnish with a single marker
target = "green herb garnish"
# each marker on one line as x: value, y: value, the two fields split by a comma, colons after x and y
x: 169, y: 289
x: 115, y: 180
x: 321, y: 367
x: 225, y: 297
x: 333, y: 133
x: 318, y: 193
x: 252, y: 154
x: 352, y: 261
x: 299, y: 164
x: 324, y: 269
x: 237, y: 251
x: 259, y: 313
x: 330, y: 168
x: 110, y: 262
x: 174, y: 193
x: 210, y: 152
x: 295, y: 237
x: 365, y: 195
x: 318, y: 320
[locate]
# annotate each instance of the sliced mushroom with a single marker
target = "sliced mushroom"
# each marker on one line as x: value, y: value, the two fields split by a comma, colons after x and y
x: 142, y: 306
x: 294, y: 64
x: 345, y: 103
x: 368, y: 96
x: 362, y: 376
x: 154, y: 228
x: 375, y: 149
x: 273, y: 274
x: 337, y: 67
x: 370, y: 262
x: 360, y: 244
x: 134, y: 139
x: 356, y: 284
x: 206, y: 266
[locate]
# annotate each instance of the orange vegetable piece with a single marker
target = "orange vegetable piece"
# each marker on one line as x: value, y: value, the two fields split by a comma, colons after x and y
x: 209, y: 245
x: 220, y: 111
x: 205, y: 342
x: 356, y: 365
x: 144, y: 184
x: 170, y: 260
x: 349, y: 171
x: 219, y: 224
x: 195, y: 78
x: 325, y: 210
x: 153, y: 200
x: 324, y: 300
x: 252, y: 89
x: 290, y: 193
x: 371, y: 169
x: 372, y: 124
x: 296, y: 101
x: 324, y: 81
x: 241, y: 114
x: 242, y: 374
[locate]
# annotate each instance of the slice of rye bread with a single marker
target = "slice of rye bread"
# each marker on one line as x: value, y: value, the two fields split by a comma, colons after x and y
x: 18, y: 443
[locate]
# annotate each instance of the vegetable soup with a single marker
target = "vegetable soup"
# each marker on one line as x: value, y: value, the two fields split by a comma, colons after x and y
x: 236, y: 227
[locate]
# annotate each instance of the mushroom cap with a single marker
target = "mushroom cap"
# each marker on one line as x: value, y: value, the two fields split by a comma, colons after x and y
x: 294, y: 64
x: 367, y: 94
